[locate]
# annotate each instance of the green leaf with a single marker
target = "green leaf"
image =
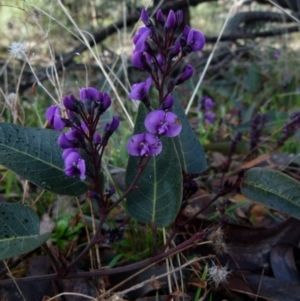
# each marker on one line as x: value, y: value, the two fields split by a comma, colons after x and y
x: 189, y: 149
x: 157, y: 196
x: 272, y: 189
x: 34, y: 155
x: 253, y: 79
x: 19, y: 230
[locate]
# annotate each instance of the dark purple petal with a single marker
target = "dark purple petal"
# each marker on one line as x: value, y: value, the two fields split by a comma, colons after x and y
x: 64, y: 142
x: 195, y: 40
x: 176, y: 48
x: 161, y: 19
x: 144, y: 144
x: 207, y: 103
x: 171, y: 20
x: 138, y: 60
x: 145, y: 17
x: 175, y: 51
x: 74, y: 134
x: 184, y: 36
x: 89, y: 93
x: 97, y: 138
x: 74, y: 165
x: 50, y: 113
x: 174, y: 124
x: 210, y: 117
x: 179, y: 17
x: 140, y: 32
x: 99, y: 96
x: 109, y: 129
x: 54, y: 118
x: 70, y: 139
x: 70, y: 103
x: 81, y: 168
x: 140, y: 90
x: 168, y: 102
x: 84, y: 126
x: 114, y: 124
x: 68, y: 151
x: 141, y: 44
x: 160, y: 60
x: 185, y: 75
x: 159, y: 122
x: 106, y: 101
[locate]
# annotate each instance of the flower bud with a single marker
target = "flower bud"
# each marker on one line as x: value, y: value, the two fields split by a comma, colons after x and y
x: 54, y: 118
x: 145, y: 17
x: 171, y: 20
x: 161, y: 19
x: 185, y: 75
x: 179, y: 17
x: 168, y: 102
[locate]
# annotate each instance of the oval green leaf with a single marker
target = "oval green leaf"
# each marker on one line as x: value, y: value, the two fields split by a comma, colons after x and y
x: 34, y: 155
x: 157, y: 196
x: 272, y: 189
x: 189, y: 149
x: 19, y: 230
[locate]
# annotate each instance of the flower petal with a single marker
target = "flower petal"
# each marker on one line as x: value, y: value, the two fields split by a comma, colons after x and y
x: 144, y: 144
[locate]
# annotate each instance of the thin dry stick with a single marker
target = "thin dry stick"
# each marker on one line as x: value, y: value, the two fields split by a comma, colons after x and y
x: 99, y: 62
x: 12, y: 277
x: 72, y: 294
x: 167, y: 263
x: 235, y: 4
x: 141, y: 284
x: 284, y: 11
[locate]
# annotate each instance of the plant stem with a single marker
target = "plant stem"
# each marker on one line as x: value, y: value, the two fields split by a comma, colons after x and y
x: 107, y: 271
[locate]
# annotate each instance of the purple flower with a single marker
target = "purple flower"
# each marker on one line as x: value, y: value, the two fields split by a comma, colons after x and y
x: 159, y: 122
x: 210, y: 117
x: 185, y: 75
x: 161, y: 19
x: 175, y: 50
x: 74, y: 164
x: 70, y: 139
x: 171, y: 20
x: 138, y: 60
x: 195, y: 40
x: 140, y: 32
x: 66, y: 152
x: 140, y: 90
x: 184, y: 35
x: 89, y: 93
x: 111, y: 127
x: 168, y: 102
x: 145, y: 17
x: 140, y: 40
x: 179, y: 17
x: 144, y: 145
x: 97, y: 139
x: 207, y: 103
x: 54, y: 118
x: 277, y: 55
x: 71, y: 103
x: 104, y: 101
x: 160, y: 60
x: 142, y: 60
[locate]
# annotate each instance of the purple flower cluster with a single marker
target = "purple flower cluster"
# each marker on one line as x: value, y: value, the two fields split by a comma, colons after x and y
x: 82, y: 120
x: 206, y: 106
x: 158, y: 52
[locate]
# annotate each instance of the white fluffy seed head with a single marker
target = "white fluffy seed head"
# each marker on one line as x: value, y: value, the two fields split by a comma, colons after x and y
x: 217, y: 274
x: 17, y: 50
